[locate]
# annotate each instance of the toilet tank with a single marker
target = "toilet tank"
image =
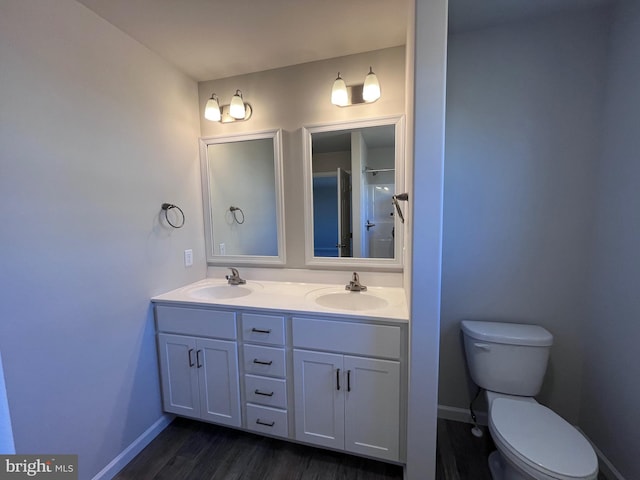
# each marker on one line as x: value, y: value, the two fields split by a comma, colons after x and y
x: 508, y: 358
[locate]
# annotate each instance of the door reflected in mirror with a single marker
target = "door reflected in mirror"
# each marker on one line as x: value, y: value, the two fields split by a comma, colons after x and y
x: 354, y: 174
x: 242, y: 190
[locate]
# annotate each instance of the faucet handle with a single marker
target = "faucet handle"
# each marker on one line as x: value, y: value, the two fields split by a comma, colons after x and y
x: 234, y: 278
x: 355, y: 285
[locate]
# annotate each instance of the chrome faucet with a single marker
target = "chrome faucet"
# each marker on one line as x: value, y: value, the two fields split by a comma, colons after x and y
x: 234, y: 278
x: 355, y: 285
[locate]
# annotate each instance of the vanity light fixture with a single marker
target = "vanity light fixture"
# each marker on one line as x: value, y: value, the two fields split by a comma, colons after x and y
x: 339, y: 95
x: 237, y: 111
x: 371, y: 88
x: 212, y: 109
x: 344, y: 95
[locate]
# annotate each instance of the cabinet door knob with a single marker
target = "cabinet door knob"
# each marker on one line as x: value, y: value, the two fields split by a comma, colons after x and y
x: 191, y: 364
x: 262, y: 362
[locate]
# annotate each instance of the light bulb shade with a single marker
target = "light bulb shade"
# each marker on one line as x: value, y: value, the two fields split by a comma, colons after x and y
x: 371, y: 88
x: 339, y: 94
x: 212, y: 109
x: 236, y: 109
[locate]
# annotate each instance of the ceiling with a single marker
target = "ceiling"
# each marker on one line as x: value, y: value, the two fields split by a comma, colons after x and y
x: 212, y: 39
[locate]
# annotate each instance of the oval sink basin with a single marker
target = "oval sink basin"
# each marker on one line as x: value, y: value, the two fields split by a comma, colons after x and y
x: 219, y: 292
x: 356, y: 301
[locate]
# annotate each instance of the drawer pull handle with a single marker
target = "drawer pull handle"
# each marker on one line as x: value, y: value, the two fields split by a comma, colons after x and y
x: 348, y: 380
x: 261, y: 362
x: 198, y: 352
x: 258, y: 392
x: 191, y: 364
x: 338, y: 379
x: 265, y: 423
x: 260, y: 330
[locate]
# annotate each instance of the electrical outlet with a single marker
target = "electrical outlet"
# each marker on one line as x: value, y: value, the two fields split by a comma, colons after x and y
x: 188, y: 258
x: 223, y: 249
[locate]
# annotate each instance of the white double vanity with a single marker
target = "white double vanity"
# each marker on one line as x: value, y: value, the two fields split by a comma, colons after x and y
x: 312, y: 363
x: 309, y: 362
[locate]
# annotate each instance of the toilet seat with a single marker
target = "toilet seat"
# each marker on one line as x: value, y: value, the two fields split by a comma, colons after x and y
x: 541, y: 440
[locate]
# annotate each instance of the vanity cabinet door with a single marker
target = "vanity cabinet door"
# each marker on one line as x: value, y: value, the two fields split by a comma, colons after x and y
x: 347, y: 402
x: 372, y: 407
x: 200, y: 378
x: 217, y: 365
x: 319, y: 398
x: 180, y: 392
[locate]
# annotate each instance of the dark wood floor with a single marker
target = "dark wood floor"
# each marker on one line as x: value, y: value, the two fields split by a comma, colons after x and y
x: 459, y: 454
x: 191, y: 450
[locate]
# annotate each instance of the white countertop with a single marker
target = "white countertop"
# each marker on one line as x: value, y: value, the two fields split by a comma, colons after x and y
x: 295, y: 297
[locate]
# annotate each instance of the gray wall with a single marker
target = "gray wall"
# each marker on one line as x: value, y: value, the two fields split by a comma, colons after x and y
x: 95, y: 133
x: 541, y: 209
x: 610, y: 413
x: 522, y: 136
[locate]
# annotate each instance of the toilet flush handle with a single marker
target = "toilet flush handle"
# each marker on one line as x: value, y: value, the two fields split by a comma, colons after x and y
x: 482, y: 346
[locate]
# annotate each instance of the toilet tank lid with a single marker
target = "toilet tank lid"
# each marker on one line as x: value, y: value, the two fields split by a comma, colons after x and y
x: 508, y: 333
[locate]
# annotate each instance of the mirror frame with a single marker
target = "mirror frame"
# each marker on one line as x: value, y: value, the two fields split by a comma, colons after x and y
x: 395, y: 263
x: 255, y: 260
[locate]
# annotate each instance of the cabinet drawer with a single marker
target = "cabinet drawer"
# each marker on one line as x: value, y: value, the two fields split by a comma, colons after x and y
x: 267, y: 329
x: 347, y: 337
x: 196, y: 321
x: 267, y: 420
x: 264, y: 360
x: 266, y: 391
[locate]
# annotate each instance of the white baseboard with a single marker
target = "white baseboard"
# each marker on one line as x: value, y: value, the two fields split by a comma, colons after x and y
x: 460, y: 414
x: 606, y: 467
x: 118, y: 463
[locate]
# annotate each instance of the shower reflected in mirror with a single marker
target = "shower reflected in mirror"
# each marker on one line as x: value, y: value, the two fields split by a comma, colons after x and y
x: 354, y: 174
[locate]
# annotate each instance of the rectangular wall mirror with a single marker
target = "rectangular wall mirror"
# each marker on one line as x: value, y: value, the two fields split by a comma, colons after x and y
x: 352, y: 171
x: 243, y: 203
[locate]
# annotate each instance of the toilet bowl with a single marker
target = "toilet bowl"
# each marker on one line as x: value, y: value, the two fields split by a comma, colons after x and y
x: 533, y: 442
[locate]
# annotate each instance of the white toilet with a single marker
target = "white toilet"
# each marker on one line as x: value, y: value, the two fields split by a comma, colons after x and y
x: 508, y: 361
